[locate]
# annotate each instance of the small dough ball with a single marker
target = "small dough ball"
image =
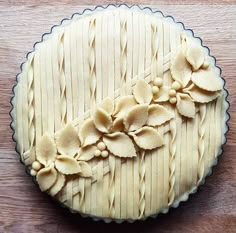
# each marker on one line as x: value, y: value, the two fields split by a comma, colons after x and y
x: 104, y: 153
x: 101, y: 146
x: 158, y: 82
x: 176, y: 85
x: 97, y: 153
x: 172, y: 93
x: 33, y: 172
x: 155, y: 90
x: 36, y: 165
x: 173, y: 100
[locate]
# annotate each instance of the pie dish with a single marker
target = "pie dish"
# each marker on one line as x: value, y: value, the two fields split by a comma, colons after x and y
x: 119, y: 113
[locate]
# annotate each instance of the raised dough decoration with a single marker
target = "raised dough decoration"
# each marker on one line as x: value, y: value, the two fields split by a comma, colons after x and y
x: 136, y: 117
x: 195, y: 56
x: 88, y: 133
x: 67, y: 141
x: 199, y: 84
x: 142, y: 92
x: 46, y: 150
x: 147, y: 138
x: 158, y: 115
x: 180, y: 69
x: 123, y: 105
x: 54, y: 166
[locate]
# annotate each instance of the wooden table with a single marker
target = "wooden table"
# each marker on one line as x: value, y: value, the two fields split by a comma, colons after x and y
x: 24, y: 209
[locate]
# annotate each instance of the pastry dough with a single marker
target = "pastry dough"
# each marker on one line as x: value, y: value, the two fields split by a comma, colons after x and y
x: 119, y: 113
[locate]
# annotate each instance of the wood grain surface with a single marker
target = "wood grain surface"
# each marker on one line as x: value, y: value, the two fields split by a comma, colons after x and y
x: 23, y: 208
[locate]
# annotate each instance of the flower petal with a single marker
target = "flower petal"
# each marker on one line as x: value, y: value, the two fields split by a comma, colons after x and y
x: 102, y: 120
x: 195, y: 56
x: 118, y: 124
x: 180, y: 69
x: 67, y: 141
x: 86, y: 170
x: 185, y: 105
x: 67, y: 165
x: 124, y: 103
x: 86, y: 153
x: 158, y: 115
x: 46, y: 150
x: 142, y: 92
x: 207, y: 80
x: 119, y: 144
x: 88, y: 133
x: 136, y: 117
x: 201, y: 96
x: 46, y: 178
x: 147, y: 138
x: 56, y: 188
x: 108, y: 105
x: 162, y: 95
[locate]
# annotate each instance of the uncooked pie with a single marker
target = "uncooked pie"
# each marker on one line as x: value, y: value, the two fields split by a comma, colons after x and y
x: 119, y: 113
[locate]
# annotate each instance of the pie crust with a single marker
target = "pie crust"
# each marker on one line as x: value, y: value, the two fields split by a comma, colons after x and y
x: 119, y: 113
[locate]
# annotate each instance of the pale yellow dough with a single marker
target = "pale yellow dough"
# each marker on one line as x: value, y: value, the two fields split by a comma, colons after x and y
x: 122, y: 113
